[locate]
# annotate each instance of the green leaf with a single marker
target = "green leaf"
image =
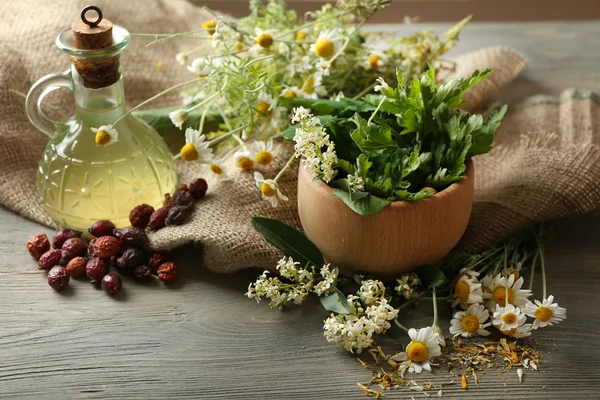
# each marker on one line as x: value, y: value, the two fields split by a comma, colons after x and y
x: 362, y: 203
x: 335, y: 302
x: 431, y: 276
x: 289, y: 240
x: 325, y: 106
x: 290, y: 132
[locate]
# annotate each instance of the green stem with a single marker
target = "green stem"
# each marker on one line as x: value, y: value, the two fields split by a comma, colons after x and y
x: 225, y: 119
x: 437, y: 298
x: 532, y: 272
x: 309, y: 24
x: 365, y: 91
x: 249, y: 63
x: 435, y: 310
x: 202, y: 118
x: 542, y: 265
x: 383, y: 99
x: 286, y: 166
x: 225, y: 136
x: 143, y: 103
x: 239, y: 140
x: 399, y: 325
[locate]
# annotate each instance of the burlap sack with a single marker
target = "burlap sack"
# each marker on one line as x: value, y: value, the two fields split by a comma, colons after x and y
x: 527, y: 177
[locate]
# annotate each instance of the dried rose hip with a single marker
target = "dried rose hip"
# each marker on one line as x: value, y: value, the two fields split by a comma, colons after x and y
x: 38, y: 245
x: 76, y: 266
x: 198, y: 188
x: 142, y: 273
x: 168, y: 272
x: 158, y: 219
x: 107, y: 246
x: 159, y: 258
x: 91, y: 251
x: 102, y: 228
x: 133, y: 237
x: 178, y: 215
x: 49, y: 259
x: 130, y: 258
x: 61, y: 236
x: 167, y: 201
x: 181, y: 187
x: 58, y: 278
x: 140, y: 215
x: 74, y: 247
x: 182, y: 198
x: 96, y: 268
x: 111, y: 283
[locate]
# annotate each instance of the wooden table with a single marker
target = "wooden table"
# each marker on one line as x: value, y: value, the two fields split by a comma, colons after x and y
x: 201, y: 338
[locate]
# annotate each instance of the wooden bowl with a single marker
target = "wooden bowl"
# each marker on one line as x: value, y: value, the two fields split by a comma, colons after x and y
x: 400, y: 238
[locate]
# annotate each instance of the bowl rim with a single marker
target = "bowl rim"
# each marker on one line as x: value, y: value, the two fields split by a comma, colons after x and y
x: 449, y: 191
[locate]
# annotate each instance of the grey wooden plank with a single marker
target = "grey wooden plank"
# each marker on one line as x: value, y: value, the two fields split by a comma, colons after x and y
x: 203, y: 339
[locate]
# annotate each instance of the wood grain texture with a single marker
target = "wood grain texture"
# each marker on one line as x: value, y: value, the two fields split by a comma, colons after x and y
x: 203, y: 339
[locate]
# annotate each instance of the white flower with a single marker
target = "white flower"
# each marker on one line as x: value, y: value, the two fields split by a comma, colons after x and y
x: 516, y: 270
x: 439, y: 335
x: 509, y: 317
x: 269, y: 189
x: 291, y: 92
x: 497, y: 292
x: 326, y: 285
x: 327, y: 44
x: 471, y: 322
x: 264, y: 39
x: 339, y: 96
x: 469, y: 273
x: 298, y: 65
x: 545, y: 313
x: 382, y: 86
x: 181, y: 58
x: 371, y: 291
x: 287, y: 268
x: 406, y: 284
x: 106, y: 135
x: 200, y: 67
x: 178, y: 117
x: 356, y: 183
x: 380, y: 313
x: 351, y: 332
x: 196, y: 148
x: 422, y: 349
x: 244, y: 159
x: 221, y: 171
x: 323, y: 67
x: 519, y: 332
x: 264, y: 152
x: 300, y: 113
x: 313, y: 88
x: 264, y: 105
x: 467, y: 291
x: 375, y: 60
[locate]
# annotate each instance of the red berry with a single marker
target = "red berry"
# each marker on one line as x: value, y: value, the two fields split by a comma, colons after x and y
x: 168, y: 272
x: 142, y: 273
x: 158, y: 218
x: 61, y: 236
x: 58, y: 278
x: 130, y: 258
x: 111, y: 283
x: 38, y: 245
x: 91, y: 252
x: 198, y: 188
x: 140, y: 215
x: 159, y: 258
x: 182, y: 198
x: 76, y: 267
x: 107, y: 246
x: 74, y: 247
x: 102, y: 228
x: 96, y: 268
x: 132, y: 237
x: 49, y: 259
x: 178, y: 215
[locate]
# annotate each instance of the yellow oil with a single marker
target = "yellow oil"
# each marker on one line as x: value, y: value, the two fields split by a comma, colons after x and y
x: 80, y: 182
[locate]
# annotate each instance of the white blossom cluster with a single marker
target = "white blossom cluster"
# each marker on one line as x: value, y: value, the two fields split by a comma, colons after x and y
x: 314, y: 146
x: 406, y: 285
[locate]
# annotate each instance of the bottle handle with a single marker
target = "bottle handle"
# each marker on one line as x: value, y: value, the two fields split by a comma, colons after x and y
x: 36, y: 95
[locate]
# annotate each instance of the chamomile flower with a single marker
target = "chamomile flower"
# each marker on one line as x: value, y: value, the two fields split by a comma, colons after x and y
x: 487, y: 283
x: 201, y: 67
x: 178, y: 117
x: 497, y: 292
x: 220, y: 171
x: 196, y: 148
x: 439, y: 335
x: 471, y: 322
x: 509, y: 317
x: 265, y: 105
x: 382, y: 87
x: 244, y: 159
x: 264, y: 39
x: 181, y: 58
x: 323, y: 67
x: 376, y: 60
x: 518, y: 332
x: 106, y: 135
x: 467, y: 291
x: 265, y: 152
x: 269, y: 189
x: 469, y: 273
x: 210, y: 26
x: 327, y: 44
x: 515, y: 270
x: 298, y: 64
x: 291, y: 92
x: 422, y: 349
x: 313, y: 87
x: 545, y: 312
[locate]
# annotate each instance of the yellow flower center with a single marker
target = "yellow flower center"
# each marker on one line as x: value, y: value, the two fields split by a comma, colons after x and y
x: 290, y: 94
x: 239, y: 46
x: 264, y: 157
x: 264, y: 40
x: 509, y: 318
x: 543, y: 313
x: 245, y: 163
x: 417, y: 352
x: 267, y: 190
x: 216, y: 169
x: 486, y: 289
x: 470, y: 323
x: 263, y: 110
x: 318, y: 25
x: 301, y: 35
x: 429, y: 190
x: 308, y: 86
x: 462, y: 290
x: 374, y: 61
x: 509, y: 332
x: 188, y: 152
x: 324, y: 48
x: 500, y: 296
x: 515, y: 274
x: 210, y: 26
x: 102, y: 137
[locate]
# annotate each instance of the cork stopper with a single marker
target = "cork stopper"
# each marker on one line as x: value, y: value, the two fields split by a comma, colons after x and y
x: 95, y: 34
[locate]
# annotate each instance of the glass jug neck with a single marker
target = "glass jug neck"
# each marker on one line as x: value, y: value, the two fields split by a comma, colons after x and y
x: 106, y: 104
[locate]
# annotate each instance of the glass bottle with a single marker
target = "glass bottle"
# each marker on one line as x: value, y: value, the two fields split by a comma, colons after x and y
x: 79, y: 181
